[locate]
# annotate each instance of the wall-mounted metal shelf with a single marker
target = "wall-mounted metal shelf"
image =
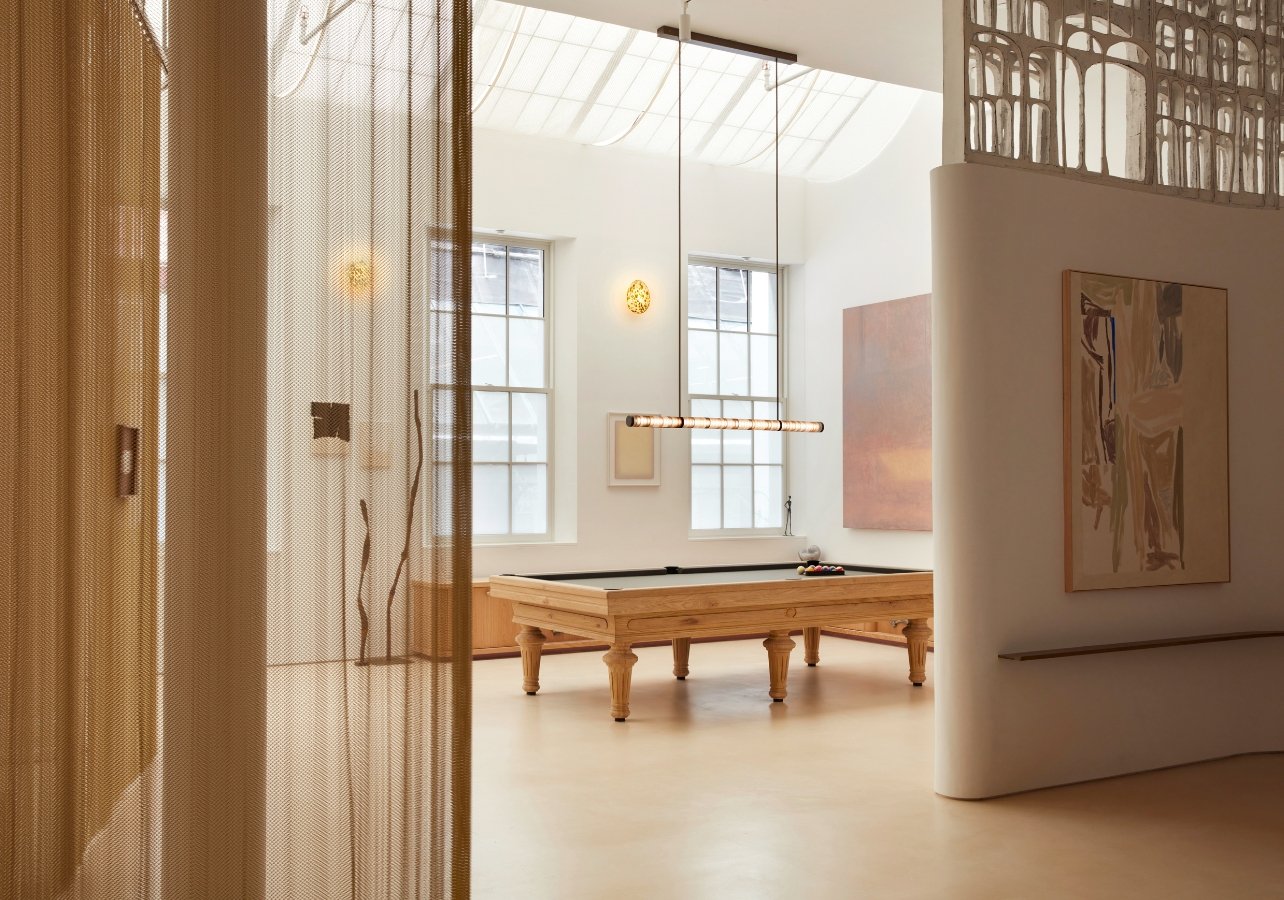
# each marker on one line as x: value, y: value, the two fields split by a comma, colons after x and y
x: 1090, y: 649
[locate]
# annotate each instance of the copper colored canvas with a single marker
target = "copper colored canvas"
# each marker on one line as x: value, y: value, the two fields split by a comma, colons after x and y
x: 887, y: 415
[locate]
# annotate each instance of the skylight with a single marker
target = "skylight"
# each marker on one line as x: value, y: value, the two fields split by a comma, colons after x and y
x: 562, y: 76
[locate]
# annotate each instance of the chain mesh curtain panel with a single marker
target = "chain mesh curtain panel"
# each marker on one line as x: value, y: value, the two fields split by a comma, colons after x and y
x: 369, y: 468
x: 79, y: 222
x: 298, y: 729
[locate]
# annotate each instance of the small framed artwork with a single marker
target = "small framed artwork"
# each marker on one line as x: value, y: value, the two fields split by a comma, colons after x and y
x: 634, y: 454
x: 1146, y: 462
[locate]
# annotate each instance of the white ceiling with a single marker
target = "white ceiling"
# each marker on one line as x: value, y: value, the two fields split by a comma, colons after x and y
x: 896, y: 41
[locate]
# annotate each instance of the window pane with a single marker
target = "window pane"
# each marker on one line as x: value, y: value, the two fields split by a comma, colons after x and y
x: 440, y: 352
x: 438, y: 495
x: 702, y: 362
x: 489, y: 288
x: 526, y: 352
x: 525, y: 282
x: 737, y: 446
x: 162, y: 420
x: 733, y: 290
x: 490, y: 499
x: 706, y: 445
x: 489, y: 356
x: 768, y: 446
x: 762, y: 365
x: 161, y: 474
x: 702, y: 297
x: 737, y: 497
x: 762, y: 302
x: 442, y: 419
x: 530, y: 499
x: 530, y: 428
x: 439, y: 284
x: 768, y: 504
x: 706, y: 496
x: 490, y: 426
x: 734, y: 364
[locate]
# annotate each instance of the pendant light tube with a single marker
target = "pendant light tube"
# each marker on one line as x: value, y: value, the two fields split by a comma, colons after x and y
x: 647, y: 420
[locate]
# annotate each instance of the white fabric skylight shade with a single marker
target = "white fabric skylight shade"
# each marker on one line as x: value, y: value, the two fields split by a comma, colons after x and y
x: 561, y: 76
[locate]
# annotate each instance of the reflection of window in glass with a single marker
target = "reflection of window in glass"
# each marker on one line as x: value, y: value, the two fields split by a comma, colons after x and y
x: 511, y: 395
x: 733, y: 370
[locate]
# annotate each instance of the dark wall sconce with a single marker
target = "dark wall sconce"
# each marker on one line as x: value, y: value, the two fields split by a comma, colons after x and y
x: 126, y: 461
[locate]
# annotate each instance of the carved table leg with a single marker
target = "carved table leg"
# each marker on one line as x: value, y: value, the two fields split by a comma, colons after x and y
x: 778, y: 644
x: 811, y: 645
x: 916, y: 635
x: 681, y: 653
x: 619, y: 664
x: 531, y: 640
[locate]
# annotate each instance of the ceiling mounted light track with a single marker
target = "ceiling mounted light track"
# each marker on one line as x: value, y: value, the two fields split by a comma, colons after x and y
x: 711, y: 42
x: 684, y: 35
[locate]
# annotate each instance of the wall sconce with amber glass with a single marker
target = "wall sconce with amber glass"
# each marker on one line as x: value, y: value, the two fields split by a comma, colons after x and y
x: 638, y: 297
x: 359, y: 276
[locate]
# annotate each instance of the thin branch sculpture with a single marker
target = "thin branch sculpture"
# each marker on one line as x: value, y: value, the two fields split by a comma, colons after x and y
x: 410, y: 519
x: 361, y: 586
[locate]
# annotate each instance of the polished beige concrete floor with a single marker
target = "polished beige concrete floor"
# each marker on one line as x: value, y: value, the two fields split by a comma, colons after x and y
x: 712, y: 791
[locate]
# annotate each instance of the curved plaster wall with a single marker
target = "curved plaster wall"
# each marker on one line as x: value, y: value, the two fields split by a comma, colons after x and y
x: 1001, y: 239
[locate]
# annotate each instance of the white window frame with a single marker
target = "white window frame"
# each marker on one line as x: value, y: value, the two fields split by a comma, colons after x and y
x: 736, y: 262
x: 548, y: 392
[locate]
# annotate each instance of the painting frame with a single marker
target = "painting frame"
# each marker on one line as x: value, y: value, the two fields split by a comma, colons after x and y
x: 635, y: 464
x: 1145, y: 420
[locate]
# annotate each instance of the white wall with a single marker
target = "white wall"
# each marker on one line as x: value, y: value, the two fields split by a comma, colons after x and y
x: 1001, y: 240
x: 613, y: 215
x: 868, y: 240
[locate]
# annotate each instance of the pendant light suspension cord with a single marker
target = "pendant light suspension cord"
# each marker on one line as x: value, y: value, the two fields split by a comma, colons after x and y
x: 779, y: 324
x: 780, y: 330
x: 681, y: 261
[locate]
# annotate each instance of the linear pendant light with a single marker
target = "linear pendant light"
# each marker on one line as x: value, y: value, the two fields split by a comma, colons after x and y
x: 683, y: 35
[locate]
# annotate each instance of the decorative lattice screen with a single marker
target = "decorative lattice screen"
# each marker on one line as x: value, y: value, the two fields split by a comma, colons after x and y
x: 1175, y: 96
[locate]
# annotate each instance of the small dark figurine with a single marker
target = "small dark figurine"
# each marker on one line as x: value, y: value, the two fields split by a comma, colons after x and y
x: 789, y: 515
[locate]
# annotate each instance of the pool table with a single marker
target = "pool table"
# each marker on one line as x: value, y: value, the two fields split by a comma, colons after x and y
x: 678, y: 603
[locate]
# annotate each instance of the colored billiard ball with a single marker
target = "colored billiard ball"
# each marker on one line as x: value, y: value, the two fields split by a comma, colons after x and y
x: 802, y: 569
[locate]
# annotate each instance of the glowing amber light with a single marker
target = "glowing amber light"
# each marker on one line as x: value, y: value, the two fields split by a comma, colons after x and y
x: 359, y: 277
x: 721, y: 424
x: 638, y: 297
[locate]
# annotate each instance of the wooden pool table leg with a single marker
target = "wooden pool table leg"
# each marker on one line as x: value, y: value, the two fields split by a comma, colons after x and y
x: 619, y: 665
x: 811, y: 645
x: 916, y: 634
x: 778, y: 644
x: 681, y: 654
x: 531, y: 641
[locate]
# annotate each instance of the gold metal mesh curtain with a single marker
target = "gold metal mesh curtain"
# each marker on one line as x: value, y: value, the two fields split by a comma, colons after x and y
x: 79, y: 217
x: 287, y: 716
x: 368, y: 460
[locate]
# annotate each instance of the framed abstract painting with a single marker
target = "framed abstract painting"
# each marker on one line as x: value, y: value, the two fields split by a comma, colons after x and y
x: 633, y: 454
x: 1146, y: 459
